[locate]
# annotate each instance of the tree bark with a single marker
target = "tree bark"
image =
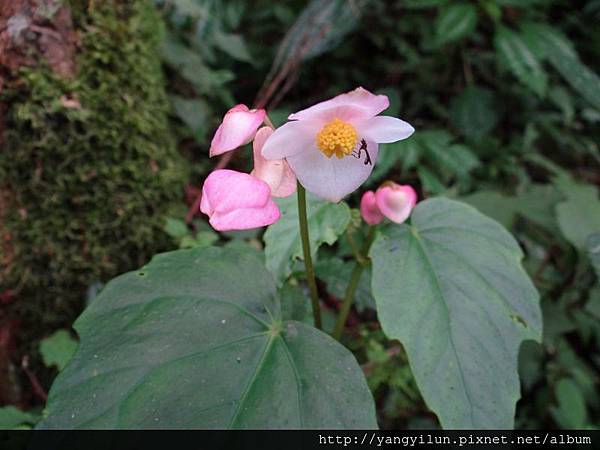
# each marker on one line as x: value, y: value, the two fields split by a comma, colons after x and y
x: 32, y: 31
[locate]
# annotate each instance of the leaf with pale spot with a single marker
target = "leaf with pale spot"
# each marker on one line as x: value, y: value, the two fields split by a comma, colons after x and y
x: 451, y: 288
x: 196, y: 339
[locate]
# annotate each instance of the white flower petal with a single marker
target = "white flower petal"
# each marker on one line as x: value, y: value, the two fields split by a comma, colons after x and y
x: 291, y: 138
x: 362, y: 102
x: 384, y: 129
x: 332, y: 178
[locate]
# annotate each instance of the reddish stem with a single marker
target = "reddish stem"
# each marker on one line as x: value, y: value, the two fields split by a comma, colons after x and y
x: 38, y: 390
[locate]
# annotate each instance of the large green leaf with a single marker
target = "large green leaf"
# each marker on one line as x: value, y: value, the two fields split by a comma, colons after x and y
x: 515, y: 53
x: 195, y: 339
x: 326, y: 221
x: 451, y: 288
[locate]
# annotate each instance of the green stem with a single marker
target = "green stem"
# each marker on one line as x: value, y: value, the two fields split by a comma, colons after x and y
x: 359, y: 266
x: 353, y: 246
x: 310, y: 271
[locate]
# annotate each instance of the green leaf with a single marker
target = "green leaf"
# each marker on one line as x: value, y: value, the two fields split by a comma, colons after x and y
x: 593, y: 248
x: 457, y: 159
x: 191, y: 8
x: 12, y: 418
x: 579, y: 215
x: 515, y: 53
x: 431, y: 183
x: 58, y: 349
x: 451, y: 288
x: 336, y: 274
x: 201, y: 239
x: 494, y: 204
x: 521, y: 3
x: 326, y: 221
x: 423, y: 4
x: 195, y: 113
x: 455, y: 21
x: 191, y: 66
x: 473, y: 112
x: 406, y: 151
x: 536, y: 204
x: 234, y: 11
x: 176, y: 228
x: 531, y: 360
x: 320, y: 27
x: 295, y: 304
x: 559, y: 51
x: 571, y: 411
x: 195, y: 339
x: 233, y: 45
x: 593, y: 304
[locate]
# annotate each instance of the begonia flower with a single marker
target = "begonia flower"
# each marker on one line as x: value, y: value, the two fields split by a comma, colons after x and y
x: 237, y: 201
x: 238, y: 128
x: 396, y: 201
x: 333, y: 145
x: 277, y: 172
x: 369, y: 210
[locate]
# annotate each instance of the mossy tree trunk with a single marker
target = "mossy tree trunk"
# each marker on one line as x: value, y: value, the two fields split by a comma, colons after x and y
x: 30, y: 30
x: 88, y: 165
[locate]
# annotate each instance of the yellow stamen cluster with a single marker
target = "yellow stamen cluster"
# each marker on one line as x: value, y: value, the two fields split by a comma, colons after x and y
x: 337, y: 138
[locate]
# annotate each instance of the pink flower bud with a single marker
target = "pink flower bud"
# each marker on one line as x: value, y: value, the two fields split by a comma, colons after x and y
x: 237, y: 201
x: 238, y: 128
x: 369, y: 209
x: 275, y: 172
x: 396, y: 201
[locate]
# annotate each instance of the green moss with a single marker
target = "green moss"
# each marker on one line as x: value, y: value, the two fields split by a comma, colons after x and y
x: 88, y: 186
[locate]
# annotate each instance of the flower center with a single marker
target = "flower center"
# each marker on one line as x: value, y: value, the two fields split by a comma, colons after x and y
x: 337, y: 138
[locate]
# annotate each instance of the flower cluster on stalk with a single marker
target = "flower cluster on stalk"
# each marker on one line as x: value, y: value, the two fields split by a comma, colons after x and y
x: 330, y: 147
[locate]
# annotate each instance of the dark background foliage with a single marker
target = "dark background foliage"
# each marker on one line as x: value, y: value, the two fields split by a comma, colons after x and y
x: 504, y: 95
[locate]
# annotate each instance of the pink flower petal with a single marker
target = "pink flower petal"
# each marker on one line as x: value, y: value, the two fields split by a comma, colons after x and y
x: 362, y: 104
x: 238, y: 128
x: 396, y: 201
x: 246, y: 218
x: 369, y: 210
x: 237, y: 201
x: 290, y: 138
x: 332, y: 178
x: 384, y: 129
x: 277, y: 172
